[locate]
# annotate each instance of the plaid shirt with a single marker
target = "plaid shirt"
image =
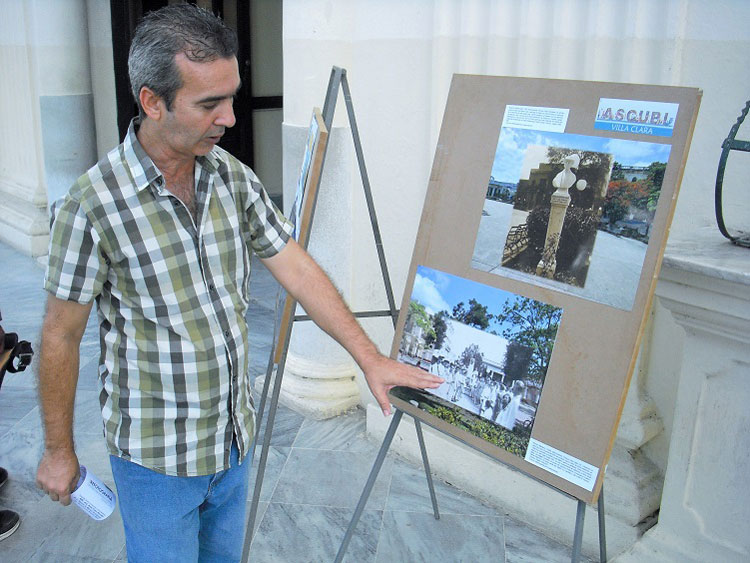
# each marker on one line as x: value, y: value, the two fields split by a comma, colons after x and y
x: 171, y: 298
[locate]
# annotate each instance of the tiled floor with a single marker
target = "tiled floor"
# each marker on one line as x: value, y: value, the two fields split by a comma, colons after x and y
x: 315, y: 473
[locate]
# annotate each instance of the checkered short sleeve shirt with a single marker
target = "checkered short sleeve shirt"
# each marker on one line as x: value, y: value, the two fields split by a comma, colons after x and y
x: 172, y: 293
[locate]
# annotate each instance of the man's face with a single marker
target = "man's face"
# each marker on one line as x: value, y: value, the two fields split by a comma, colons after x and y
x: 202, y: 108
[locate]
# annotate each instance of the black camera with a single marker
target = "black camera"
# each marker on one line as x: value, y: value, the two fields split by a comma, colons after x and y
x: 15, y: 354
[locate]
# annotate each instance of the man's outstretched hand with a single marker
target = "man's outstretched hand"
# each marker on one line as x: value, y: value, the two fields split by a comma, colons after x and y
x: 383, y: 373
x: 308, y: 284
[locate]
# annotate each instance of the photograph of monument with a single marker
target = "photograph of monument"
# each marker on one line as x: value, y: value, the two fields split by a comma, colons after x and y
x: 571, y: 211
x: 491, y: 346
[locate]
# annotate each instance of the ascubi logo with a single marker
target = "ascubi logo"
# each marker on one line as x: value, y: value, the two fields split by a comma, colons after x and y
x: 636, y: 116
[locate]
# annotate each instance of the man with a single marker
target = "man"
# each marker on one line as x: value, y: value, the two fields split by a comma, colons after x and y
x: 159, y: 234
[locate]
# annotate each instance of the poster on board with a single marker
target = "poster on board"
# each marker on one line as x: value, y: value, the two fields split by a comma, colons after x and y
x: 535, y: 263
x: 308, y: 182
x: 604, y: 237
x: 491, y: 347
x: 310, y: 171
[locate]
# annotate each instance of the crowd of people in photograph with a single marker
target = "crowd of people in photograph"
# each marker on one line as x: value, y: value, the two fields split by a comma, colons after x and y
x: 479, y: 392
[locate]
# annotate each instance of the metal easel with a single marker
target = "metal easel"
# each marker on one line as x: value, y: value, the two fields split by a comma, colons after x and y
x: 280, y: 349
x: 391, y: 432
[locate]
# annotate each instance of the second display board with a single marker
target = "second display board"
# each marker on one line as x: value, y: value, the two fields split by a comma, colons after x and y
x: 535, y: 263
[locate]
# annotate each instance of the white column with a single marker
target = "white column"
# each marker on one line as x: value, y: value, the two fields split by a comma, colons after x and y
x: 23, y: 197
x: 319, y: 376
x: 705, y: 506
x: 46, y: 110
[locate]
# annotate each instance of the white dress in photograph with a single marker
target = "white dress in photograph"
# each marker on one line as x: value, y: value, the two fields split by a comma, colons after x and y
x: 507, y: 417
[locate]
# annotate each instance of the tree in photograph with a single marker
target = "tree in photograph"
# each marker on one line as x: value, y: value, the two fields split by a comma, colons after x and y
x: 617, y: 173
x: 419, y: 316
x: 439, y: 329
x: 654, y: 181
x: 434, y: 327
x: 576, y: 240
x: 532, y: 324
x: 517, y: 361
x: 624, y: 197
x: 471, y: 354
x: 476, y: 315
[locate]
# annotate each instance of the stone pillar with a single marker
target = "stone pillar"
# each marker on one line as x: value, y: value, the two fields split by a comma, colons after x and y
x: 48, y: 106
x: 705, y: 504
x: 559, y: 203
x: 633, y: 483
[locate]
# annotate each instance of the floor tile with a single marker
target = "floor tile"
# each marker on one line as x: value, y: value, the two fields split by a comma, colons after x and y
x: 22, y: 298
x: 90, y: 347
x: 49, y: 527
x: 87, y: 416
x: 261, y: 512
x: 21, y: 449
x: 286, y: 425
x: 41, y: 556
x: 88, y: 377
x: 346, y: 432
x: 417, y: 537
x: 14, y: 406
x: 409, y: 492
x: 123, y: 555
x: 526, y: 545
x: 330, y: 478
x: 277, y: 457
x: 299, y: 533
x: 20, y: 452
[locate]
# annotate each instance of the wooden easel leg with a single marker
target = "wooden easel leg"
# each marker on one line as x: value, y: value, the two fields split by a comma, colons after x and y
x: 578, y: 534
x: 370, y: 483
x: 426, y: 464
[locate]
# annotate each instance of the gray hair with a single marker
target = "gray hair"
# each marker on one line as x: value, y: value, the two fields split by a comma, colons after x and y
x: 162, y: 35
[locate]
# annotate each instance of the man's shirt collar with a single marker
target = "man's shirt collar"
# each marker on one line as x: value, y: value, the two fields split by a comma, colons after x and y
x: 143, y: 170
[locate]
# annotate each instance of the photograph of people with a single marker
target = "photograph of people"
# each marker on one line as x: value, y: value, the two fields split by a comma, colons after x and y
x: 491, y: 347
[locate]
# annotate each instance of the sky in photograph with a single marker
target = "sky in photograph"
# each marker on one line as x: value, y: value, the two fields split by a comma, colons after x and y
x: 439, y: 291
x: 512, y: 143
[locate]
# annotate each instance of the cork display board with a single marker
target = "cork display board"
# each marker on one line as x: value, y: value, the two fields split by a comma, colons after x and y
x: 540, y: 242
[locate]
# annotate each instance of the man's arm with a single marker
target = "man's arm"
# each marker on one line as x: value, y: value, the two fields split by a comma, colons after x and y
x: 307, y: 283
x: 64, y: 324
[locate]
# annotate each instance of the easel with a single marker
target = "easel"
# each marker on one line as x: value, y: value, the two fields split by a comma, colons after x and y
x: 391, y: 432
x: 279, y: 352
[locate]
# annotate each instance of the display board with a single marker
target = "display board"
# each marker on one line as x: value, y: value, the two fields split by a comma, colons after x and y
x: 540, y: 241
x: 304, y: 202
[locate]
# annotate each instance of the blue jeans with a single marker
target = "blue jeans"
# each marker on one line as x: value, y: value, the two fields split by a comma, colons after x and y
x: 182, y: 519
